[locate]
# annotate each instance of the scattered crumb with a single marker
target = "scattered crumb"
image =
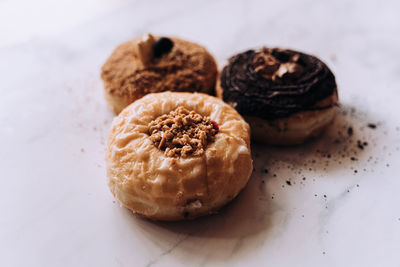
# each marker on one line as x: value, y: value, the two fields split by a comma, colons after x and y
x: 350, y: 146
x: 360, y: 145
x: 350, y: 131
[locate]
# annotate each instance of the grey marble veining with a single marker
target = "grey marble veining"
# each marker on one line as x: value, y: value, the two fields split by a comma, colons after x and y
x: 325, y: 203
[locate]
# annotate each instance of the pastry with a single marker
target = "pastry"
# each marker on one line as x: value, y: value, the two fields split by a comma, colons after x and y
x: 151, y: 64
x: 286, y: 96
x: 174, y: 156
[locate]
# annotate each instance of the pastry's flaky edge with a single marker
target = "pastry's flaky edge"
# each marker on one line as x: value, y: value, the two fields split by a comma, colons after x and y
x: 117, y: 103
x: 223, y: 184
x: 294, y: 130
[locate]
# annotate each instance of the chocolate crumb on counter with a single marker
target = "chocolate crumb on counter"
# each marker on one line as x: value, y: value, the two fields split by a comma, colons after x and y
x: 360, y: 144
x: 351, y: 144
x: 350, y: 131
x: 181, y: 133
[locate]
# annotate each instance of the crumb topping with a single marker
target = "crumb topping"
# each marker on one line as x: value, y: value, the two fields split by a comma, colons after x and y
x: 182, y: 133
x: 279, y: 66
x: 187, y: 67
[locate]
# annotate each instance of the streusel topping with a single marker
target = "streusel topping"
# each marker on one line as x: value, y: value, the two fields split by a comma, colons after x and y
x: 182, y: 133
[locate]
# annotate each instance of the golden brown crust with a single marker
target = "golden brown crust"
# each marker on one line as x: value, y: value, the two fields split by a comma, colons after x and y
x: 295, y: 129
x: 187, y: 67
x: 147, y: 181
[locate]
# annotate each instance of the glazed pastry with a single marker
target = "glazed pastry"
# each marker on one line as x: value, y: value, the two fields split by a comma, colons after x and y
x: 286, y: 96
x: 155, y: 64
x: 174, y: 156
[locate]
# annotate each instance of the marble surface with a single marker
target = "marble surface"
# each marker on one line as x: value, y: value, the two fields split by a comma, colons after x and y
x: 330, y: 202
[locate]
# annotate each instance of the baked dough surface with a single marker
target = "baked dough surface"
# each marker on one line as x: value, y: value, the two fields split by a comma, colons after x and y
x: 146, y: 181
x: 295, y: 129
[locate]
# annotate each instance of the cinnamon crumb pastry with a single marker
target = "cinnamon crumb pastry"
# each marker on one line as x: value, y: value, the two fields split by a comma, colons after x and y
x: 174, y: 156
x: 151, y: 64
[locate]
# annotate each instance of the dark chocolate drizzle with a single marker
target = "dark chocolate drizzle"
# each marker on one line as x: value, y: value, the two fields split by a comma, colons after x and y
x: 254, y: 95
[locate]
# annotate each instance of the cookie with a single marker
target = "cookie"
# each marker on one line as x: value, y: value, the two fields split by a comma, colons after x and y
x: 150, y: 64
x: 286, y: 96
x: 174, y: 156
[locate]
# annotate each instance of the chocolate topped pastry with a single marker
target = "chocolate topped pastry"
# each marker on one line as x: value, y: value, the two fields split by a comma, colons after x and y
x: 151, y: 64
x: 286, y: 96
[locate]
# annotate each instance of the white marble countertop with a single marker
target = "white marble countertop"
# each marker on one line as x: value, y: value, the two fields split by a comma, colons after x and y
x: 330, y: 202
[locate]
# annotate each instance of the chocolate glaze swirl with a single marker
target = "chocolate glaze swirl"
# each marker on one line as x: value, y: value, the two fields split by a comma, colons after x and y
x: 253, y: 94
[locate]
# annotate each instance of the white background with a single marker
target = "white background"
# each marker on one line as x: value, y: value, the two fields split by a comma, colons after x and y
x: 56, y: 209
